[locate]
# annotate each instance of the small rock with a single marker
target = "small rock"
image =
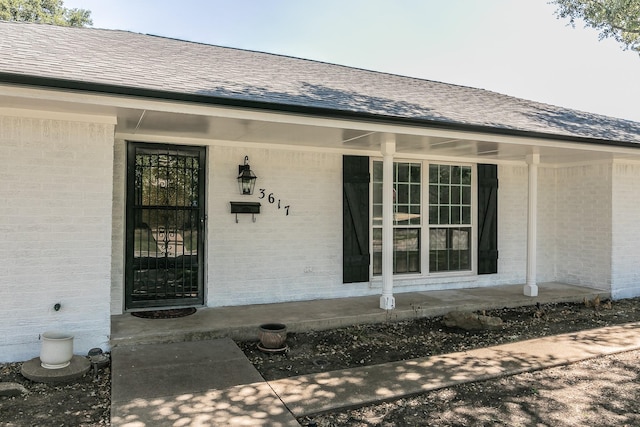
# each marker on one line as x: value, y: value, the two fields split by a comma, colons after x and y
x: 12, y: 389
x: 471, y: 321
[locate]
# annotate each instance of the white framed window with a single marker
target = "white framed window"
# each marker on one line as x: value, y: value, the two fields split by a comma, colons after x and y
x: 432, y: 203
x: 450, y: 221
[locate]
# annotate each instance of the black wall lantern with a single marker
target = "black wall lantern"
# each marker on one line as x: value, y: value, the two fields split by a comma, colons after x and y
x: 246, y: 178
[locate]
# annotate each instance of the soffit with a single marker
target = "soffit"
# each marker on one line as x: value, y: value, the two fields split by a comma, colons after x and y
x: 214, y: 124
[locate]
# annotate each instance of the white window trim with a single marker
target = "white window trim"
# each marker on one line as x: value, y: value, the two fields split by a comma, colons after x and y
x: 425, y: 226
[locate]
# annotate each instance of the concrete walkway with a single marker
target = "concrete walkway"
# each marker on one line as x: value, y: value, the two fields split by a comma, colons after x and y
x: 311, y: 394
x: 211, y: 383
x: 200, y: 383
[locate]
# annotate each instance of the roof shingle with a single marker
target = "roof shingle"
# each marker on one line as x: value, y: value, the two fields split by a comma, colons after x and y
x: 131, y: 60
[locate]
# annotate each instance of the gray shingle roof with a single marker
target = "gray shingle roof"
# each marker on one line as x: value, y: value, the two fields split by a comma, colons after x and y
x: 132, y: 60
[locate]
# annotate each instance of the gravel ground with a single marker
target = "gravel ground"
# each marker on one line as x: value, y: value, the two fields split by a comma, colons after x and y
x: 83, y: 403
x: 598, y: 392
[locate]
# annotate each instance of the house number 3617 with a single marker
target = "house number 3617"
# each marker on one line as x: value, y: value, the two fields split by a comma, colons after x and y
x: 272, y: 199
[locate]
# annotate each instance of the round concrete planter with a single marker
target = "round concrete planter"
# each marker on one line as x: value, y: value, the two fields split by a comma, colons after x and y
x: 273, y: 335
x: 57, y: 350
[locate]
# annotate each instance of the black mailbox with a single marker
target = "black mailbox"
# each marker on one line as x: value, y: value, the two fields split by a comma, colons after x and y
x: 252, y: 208
x: 245, y: 207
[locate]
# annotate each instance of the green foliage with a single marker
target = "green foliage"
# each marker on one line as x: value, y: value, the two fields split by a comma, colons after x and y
x: 618, y: 19
x: 44, y: 12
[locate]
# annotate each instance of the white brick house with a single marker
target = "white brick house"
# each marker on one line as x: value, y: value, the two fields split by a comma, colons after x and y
x: 120, y: 155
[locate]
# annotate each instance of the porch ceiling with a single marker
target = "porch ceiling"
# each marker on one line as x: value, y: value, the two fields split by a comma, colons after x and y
x: 172, y: 122
x: 360, y: 137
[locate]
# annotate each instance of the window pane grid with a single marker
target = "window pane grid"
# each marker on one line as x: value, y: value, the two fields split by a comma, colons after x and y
x: 449, y: 208
x: 449, y: 195
x: 406, y: 251
x: 449, y: 212
x: 407, y: 208
x: 406, y: 194
x: 449, y: 249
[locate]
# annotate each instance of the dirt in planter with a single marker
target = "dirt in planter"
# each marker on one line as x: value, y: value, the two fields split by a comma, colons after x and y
x: 361, y: 345
x: 82, y: 403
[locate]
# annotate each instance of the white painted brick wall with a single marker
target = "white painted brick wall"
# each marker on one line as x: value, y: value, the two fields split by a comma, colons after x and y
x: 583, y: 236
x: 512, y: 226
x: 118, y: 226
x: 547, y: 225
x: 626, y: 231
x: 55, y: 219
x: 266, y: 261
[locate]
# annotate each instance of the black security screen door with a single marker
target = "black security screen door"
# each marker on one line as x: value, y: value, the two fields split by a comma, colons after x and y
x: 165, y: 225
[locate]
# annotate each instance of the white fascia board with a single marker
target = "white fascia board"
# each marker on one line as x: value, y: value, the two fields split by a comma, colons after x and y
x: 55, y: 115
x: 623, y: 161
x: 122, y: 101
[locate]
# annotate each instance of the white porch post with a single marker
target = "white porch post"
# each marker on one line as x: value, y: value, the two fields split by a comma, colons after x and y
x: 531, y: 287
x: 388, y: 148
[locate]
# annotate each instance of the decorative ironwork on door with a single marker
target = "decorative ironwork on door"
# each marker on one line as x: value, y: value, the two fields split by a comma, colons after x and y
x: 165, y: 225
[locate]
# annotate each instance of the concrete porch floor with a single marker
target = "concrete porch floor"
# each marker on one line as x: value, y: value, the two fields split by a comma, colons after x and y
x: 241, y: 322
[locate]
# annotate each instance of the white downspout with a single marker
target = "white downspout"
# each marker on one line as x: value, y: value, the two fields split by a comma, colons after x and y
x: 531, y: 286
x: 388, y: 148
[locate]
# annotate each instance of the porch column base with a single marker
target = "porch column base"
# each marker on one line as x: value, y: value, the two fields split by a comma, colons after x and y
x: 531, y: 290
x: 387, y: 302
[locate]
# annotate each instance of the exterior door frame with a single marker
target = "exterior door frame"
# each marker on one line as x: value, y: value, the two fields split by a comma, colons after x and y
x: 176, y: 300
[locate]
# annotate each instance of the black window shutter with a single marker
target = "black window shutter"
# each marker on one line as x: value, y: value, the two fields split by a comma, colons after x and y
x: 487, y: 219
x: 355, y: 206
